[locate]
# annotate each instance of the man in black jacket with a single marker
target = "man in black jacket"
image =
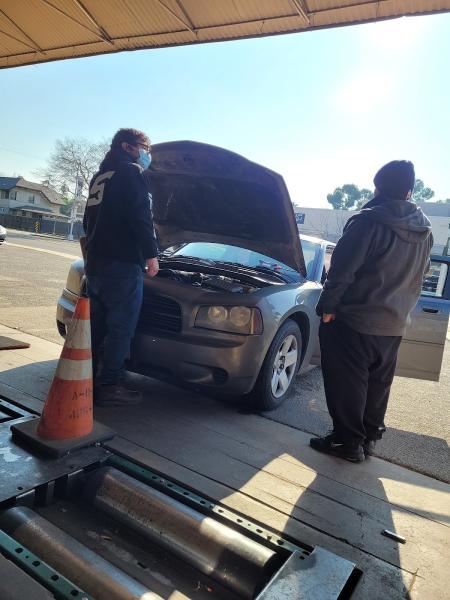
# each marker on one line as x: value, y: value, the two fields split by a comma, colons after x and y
x: 120, y: 244
x: 374, y: 282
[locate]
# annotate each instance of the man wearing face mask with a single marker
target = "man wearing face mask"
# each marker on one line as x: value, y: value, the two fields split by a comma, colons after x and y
x: 120, y: 244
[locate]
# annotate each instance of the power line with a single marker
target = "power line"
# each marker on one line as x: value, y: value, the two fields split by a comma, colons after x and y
x: 20, y: 152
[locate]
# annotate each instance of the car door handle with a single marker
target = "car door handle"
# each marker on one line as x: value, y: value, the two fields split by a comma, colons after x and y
x: 433, y: 311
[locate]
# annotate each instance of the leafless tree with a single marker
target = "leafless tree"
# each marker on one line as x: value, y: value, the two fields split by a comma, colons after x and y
x: 72, y: 158
x: 341, y: 217
x: 323, y: 227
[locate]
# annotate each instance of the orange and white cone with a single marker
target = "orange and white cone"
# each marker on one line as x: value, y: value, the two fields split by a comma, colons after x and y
x: 68, y: 410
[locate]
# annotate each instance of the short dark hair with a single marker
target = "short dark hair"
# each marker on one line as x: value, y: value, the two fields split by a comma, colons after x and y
x: 130, y: 136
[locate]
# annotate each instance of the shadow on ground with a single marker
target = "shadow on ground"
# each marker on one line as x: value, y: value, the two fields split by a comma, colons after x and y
x: 307, y: 496
x: 428, y: 454
x: 306, y: 410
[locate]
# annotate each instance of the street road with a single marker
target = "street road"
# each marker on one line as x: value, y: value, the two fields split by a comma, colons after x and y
x: 33, y: 271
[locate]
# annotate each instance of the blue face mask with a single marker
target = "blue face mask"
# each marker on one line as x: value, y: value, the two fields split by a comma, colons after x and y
x: 144, y: 158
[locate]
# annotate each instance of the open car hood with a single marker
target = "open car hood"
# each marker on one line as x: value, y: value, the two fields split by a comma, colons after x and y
x: 208, y: 194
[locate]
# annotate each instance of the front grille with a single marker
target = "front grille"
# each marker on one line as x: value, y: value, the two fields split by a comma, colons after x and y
x: 159, y: 314
x: 61, y: 328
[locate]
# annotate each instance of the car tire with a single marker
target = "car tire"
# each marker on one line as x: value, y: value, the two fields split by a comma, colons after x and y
x: 272, y: 387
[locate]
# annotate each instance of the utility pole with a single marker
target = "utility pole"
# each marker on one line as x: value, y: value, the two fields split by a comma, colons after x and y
x: 76, y: 202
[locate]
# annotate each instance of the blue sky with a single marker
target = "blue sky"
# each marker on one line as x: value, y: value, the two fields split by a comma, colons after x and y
x: 322, y: 108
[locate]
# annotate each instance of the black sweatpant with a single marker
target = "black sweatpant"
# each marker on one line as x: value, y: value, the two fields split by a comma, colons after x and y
x: 358, y: 370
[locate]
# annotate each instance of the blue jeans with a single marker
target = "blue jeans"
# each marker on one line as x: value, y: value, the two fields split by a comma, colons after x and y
x: 116, y: 300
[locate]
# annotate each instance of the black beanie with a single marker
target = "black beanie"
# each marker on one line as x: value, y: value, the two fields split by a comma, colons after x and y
x: 396, y: 178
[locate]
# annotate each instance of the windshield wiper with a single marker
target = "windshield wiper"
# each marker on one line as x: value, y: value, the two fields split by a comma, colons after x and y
x: 183, y: 258
x: 259, y: 269
x: 270, y: 271
x: 211, y: 263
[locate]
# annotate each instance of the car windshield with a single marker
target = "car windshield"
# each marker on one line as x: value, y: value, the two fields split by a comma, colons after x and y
x: 246, y: 258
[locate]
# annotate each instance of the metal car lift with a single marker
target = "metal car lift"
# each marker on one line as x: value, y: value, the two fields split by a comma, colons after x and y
x: 95, y: 525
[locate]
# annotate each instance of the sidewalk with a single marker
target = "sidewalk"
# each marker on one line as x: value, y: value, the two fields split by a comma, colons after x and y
x: 50, y: 236
x: 267, y: 471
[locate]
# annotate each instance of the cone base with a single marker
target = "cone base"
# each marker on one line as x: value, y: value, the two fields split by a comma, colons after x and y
x: 26, y: 434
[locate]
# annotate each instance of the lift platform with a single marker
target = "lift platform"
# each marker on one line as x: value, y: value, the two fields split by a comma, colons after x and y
x: 97, y: 525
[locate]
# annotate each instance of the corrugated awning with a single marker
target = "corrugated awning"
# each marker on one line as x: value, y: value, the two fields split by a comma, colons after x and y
x: 33, y: 31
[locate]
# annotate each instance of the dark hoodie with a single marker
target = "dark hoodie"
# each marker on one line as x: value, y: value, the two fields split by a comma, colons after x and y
x: 118, y: 219
x: 377, y: 267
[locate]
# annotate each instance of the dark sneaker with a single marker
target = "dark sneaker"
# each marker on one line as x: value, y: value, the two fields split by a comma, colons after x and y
x: 116, y: 395
x: 331, y: 445
x: 369, y: 447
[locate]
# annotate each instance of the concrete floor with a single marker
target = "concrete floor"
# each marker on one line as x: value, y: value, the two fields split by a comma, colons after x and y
x: 418, y: 417
x: 267, y: 472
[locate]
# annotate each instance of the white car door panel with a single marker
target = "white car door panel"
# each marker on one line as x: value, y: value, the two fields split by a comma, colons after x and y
x: 422, y: 349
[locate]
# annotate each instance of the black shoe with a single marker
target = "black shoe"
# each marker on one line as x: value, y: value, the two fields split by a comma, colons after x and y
x: 369, y: 447
x: 116, y: 395
x: 331, y: 445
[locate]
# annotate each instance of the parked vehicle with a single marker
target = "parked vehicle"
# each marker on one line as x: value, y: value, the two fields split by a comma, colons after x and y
x: 2, y: 234
x: 233, y: 306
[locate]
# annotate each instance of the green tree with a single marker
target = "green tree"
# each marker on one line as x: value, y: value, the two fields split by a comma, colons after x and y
x: 421, y: 193
x: 365, y: 196
x: 66, y: 207
x: 349, y: 197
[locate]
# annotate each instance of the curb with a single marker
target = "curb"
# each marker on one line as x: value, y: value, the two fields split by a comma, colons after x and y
x: 41, y: 235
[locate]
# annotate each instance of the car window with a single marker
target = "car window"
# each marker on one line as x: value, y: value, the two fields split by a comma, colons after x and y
x: 434, y: 280
x: 310, y: 254
x: 234, y: 254
x: 328, y: 254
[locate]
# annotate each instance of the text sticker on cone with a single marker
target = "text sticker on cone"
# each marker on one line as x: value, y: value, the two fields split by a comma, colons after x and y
x: 68, y: 409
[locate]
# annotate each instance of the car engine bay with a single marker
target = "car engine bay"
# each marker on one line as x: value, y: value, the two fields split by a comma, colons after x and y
x: 212, y: 282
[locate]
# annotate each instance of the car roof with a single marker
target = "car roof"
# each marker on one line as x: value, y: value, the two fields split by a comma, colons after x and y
x: 315, y: 240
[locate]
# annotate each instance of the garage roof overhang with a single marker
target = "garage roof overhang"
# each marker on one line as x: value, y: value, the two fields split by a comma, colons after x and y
x: 34, y: 31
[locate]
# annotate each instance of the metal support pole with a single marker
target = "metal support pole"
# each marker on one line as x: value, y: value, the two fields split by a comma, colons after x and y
x: 75, y: 203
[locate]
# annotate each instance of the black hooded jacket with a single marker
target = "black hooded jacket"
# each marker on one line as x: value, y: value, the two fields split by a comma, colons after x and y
x: 118, y: 218
x: 377, y: 267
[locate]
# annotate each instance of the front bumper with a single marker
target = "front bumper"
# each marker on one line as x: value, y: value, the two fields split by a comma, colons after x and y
x: 65, y: 309
x: 209, y: 360
x: 202, y: 358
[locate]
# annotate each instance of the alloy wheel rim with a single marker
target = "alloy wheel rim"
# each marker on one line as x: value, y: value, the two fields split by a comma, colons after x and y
x: 284, y: 364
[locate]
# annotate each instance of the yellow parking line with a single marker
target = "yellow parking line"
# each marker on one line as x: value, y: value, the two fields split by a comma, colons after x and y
x: 63, y: 254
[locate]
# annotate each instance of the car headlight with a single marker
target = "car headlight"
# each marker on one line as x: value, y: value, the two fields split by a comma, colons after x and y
x: 234, y: 319
x: 217, y: 314
x: 74, y: 279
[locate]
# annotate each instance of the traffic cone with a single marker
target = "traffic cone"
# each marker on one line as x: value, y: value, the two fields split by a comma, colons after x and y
x: 67, y: 420
x: 68, y: 410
